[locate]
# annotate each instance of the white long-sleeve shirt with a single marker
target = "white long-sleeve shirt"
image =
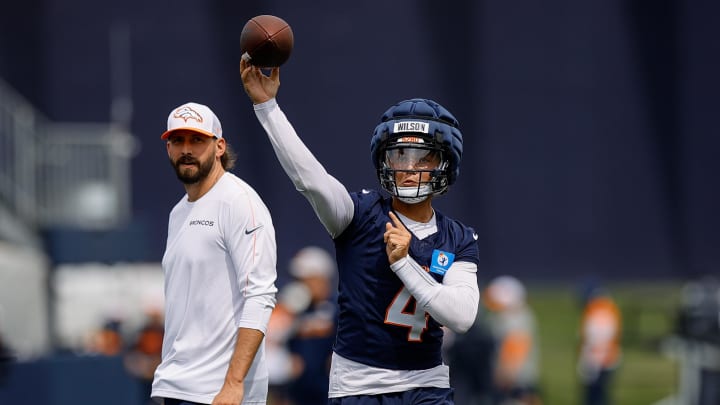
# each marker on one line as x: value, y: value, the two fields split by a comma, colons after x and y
x: 220, y: 271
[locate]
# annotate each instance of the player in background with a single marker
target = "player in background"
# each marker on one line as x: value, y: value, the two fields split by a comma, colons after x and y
x: 302, y: 330
x: 516, y: 366
x: 315, y: 326
x: 220, y: 271
x: 404, y: 268
x: 600, y: 352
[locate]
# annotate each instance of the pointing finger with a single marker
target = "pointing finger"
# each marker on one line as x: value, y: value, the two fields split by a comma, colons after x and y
x: 396, y: 221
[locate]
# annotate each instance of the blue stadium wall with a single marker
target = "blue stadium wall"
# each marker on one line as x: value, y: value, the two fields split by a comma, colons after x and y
x: 590, y: 127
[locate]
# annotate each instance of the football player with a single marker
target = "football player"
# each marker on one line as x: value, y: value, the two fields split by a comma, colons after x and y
x: 405, y: 269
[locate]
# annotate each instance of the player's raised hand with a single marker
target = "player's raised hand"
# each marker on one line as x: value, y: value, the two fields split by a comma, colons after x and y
x: 258, y: 86
x: 397, y: 239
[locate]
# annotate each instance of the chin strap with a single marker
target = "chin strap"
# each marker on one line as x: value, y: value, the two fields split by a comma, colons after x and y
x: 414, y: 195
x: 413, y: 200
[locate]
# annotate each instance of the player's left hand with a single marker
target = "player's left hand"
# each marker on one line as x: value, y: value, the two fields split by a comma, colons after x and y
x: 397, y: 239
x: 230, y: 394
x: 258, y: 86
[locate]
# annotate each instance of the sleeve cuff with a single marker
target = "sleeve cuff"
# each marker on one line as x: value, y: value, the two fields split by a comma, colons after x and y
x: 256, y: 313
x: 398, y: 264
x: 266, y: 105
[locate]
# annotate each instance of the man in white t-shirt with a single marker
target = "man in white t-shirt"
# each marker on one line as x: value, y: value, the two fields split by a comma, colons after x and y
x: 220, y: 271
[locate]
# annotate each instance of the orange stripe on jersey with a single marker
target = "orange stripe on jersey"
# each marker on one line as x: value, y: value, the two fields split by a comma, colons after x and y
x: 514, y: 351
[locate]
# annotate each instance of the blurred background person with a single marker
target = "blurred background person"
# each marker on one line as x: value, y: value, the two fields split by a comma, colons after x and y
x: 283, y: 366
x: 599, y: 353
x: 145, y: 353
x: 516, y: 360
x: 108, y: 339
x: 695, y: 343
x: 314, y: 331
x: 470, y: 358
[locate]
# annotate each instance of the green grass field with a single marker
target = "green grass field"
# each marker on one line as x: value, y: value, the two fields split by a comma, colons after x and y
x: 645, y: 375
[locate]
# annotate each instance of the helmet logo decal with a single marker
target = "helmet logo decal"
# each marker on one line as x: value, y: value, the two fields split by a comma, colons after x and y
x: 410, y: 139
x: 187, y: 113
x: 411, y: 126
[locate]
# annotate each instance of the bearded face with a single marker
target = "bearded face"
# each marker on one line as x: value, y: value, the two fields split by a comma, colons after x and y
x: 190, y: 170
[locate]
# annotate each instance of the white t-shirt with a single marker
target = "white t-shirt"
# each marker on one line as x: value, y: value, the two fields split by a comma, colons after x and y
x: 220, y: 271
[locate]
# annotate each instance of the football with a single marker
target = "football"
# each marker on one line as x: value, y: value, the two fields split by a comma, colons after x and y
x: 266, y: 41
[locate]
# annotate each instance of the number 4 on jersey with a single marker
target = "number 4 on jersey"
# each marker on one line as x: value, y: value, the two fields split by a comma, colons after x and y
x: 403, y: 312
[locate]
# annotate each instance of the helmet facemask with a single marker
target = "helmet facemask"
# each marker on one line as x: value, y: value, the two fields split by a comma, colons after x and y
x: 421, y: 160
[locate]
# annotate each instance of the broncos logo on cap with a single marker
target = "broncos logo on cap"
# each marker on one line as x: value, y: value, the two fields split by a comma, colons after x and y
x: 187, y: 113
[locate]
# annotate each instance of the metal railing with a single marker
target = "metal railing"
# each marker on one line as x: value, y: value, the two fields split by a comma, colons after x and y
x: 53, y: 174
x: 19, y: 136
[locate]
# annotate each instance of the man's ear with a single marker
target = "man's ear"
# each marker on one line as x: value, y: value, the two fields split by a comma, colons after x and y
x: 221, y: 145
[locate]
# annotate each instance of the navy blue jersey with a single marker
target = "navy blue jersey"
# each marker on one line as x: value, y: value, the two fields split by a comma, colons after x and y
x: 378, y: 322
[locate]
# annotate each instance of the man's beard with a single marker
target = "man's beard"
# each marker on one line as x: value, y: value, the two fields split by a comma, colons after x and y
x: 186, y: 174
